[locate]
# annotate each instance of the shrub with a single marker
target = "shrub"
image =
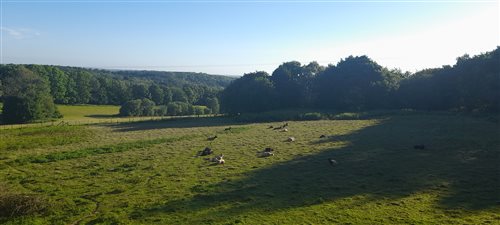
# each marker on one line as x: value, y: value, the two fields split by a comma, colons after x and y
x: 147, y: 107
x: 131, y: 108
x: 15, y: 204
x: 138, y: 107
x: 178, y: 108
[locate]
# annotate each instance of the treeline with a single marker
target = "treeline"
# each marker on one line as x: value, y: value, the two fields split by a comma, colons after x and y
x: 359, y: 83
x: 72, y: 85
x: 146, y: 107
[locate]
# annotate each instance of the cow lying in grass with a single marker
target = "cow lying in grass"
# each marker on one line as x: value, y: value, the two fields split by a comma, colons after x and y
x: 212, y: 138
x: 218, y: 159
x: 266, y: 152
x: 205, y: 152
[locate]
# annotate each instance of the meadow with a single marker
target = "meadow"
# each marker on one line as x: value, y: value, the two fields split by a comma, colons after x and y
x: 148, y: 172
x: 84, y: 114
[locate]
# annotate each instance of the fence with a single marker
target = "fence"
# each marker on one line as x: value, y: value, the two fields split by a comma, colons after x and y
x: 99, y: 121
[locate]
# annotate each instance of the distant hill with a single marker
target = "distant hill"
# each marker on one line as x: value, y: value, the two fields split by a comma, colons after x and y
x: 170, y: 78
x: 77, y: 85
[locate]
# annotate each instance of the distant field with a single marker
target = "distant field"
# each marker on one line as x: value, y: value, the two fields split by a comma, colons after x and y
x: 147, y: 172
x: 88, y: 112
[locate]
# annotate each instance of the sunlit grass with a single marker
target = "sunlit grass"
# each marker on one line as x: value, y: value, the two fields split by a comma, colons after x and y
x: 82, y: 112
x: 148, y: 173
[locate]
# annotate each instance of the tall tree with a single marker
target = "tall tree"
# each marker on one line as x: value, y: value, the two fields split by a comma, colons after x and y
x: 27, y: 97
x: 286, y: 79
x: 213, y: 104
x: 157, y: 94
x: 254, y: 92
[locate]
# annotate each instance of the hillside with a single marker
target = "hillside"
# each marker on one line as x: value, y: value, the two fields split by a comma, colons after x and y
x: 76, y: 85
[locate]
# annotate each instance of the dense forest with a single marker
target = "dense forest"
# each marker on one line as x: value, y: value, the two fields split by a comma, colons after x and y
x: 30, y: 91
x: 359, y: 83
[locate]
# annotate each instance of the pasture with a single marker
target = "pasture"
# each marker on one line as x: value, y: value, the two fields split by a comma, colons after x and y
x: 85, y: 114
x: 148, y: 172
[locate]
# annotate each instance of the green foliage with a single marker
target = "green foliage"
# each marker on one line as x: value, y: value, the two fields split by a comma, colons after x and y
x: 213, y: 104
x: 138, y: 107
x: 140, y: 91
x: 198, y: 110
x: 161, y: 110
x: 355, y: 83
x: 157, y: 94
x: 359, y: 83
x: 71, y: 85
x: 253, y: 92
x: 178, y: 108
x: 147, y: 107
x: 27, y: 99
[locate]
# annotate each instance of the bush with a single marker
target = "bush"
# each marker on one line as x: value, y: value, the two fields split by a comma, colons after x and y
x: 147, y: 107
x: 138, y: 107
x: 178, y: 109
x: 14, y: 204
x: 131, y: 108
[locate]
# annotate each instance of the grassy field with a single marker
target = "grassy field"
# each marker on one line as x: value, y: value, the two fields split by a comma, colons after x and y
x: 82, y: 112
x: 86, y: 114
x: 148, y: 172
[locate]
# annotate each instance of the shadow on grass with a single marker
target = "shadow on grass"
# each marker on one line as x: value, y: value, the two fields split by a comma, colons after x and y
x: 173, y: 123
x: 103, y: 116
x: 379, y: 164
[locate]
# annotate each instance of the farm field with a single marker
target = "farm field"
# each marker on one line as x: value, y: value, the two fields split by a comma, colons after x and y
x: 86, y: 114
x: 148, y: 172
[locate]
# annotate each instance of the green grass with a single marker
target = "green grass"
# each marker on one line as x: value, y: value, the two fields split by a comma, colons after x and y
x: 148, y: 173
x: 89, y: 114
x: 83, y: 112
x: 39, y: 137
x: 80, y: 153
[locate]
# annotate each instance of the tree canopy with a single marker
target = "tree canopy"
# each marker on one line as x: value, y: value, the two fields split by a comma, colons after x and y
x: 27, y: 97
x: 359, y: 83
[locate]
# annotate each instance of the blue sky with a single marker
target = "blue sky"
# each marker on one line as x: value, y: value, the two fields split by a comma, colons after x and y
x: 229, y: 37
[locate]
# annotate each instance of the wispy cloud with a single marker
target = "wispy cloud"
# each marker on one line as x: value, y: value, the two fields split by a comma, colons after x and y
x: 20, y: 33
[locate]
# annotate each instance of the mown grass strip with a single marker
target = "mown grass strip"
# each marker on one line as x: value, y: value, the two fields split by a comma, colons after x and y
x: 52, y: 157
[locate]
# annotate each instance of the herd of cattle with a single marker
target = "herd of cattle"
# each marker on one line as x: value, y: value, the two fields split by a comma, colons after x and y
x: 267, y: 152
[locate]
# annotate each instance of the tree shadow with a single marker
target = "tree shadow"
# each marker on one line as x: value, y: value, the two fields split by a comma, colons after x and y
x: 102, y: 116
x: 190, y: 122
x: 379, y: 163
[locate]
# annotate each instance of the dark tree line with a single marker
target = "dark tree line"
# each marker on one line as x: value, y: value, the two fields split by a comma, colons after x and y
x: 359, y: 83
x: 72, y: 85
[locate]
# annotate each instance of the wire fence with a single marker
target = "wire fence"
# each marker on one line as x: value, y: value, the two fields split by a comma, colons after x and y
x: 78, y: 122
